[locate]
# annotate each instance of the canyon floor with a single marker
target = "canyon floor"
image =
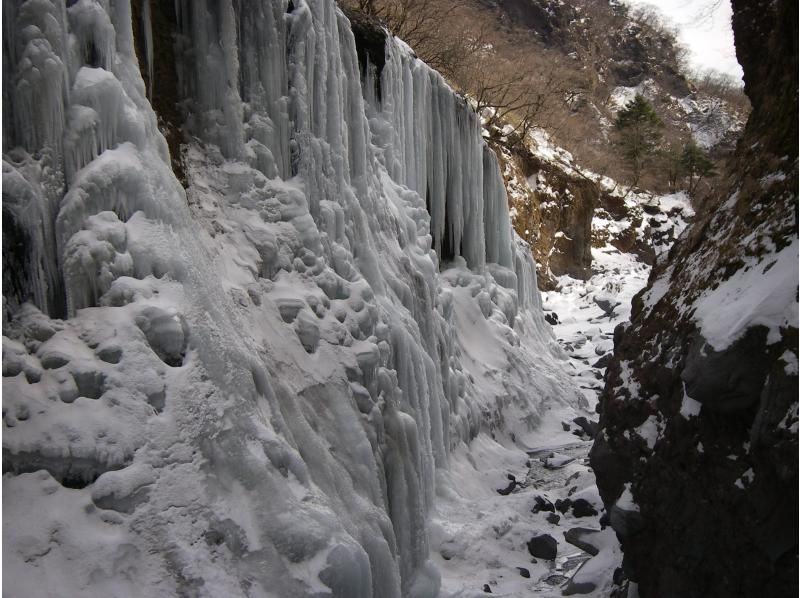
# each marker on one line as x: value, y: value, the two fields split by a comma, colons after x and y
x: 541, y: 485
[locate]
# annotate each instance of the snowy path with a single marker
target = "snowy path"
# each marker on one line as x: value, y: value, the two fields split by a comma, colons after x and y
x: 588, y: 311
x: 480, y: 543
x: 479, y: 539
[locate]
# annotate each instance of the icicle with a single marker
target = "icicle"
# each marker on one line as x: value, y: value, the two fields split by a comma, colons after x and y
x: 148, y: 46
x: 95, y: 33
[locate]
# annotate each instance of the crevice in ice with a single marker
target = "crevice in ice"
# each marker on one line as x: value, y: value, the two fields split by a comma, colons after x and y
x: 91, y: 384
x: 371, y: 40
x: 166, y: 332
x: 122, y: 504
x: 17, y: 251
x: 155, y: 30
x: 71, y: 471
x: 95, y: 34
x: 29, y: 251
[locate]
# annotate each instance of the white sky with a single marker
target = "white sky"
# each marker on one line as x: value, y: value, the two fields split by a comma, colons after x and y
x: 704, y: 27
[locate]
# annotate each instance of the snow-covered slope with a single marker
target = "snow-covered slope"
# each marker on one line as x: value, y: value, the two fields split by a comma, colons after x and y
x: 245, y: 388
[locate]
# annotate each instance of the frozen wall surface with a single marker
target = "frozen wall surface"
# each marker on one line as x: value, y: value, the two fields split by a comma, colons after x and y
x: 245, y: 385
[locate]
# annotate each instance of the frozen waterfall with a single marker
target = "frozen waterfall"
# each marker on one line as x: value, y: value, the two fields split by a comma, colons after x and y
x: 245, y: 385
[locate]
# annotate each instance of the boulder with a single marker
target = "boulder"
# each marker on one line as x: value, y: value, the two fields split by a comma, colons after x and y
x: 603, y: 361
x: 606, y: 304
x: 588, y: 426
x: 542, y: 504
x: 584, y: 538
x: 583, y: 508
x: 543, y: 546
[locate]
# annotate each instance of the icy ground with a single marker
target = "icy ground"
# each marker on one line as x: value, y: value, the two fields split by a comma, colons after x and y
x: 479, y: 536
x: 586, y: 313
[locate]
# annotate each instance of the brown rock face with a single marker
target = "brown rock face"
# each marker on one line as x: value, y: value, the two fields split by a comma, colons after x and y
x: 554, y: 213
x: 705, y: 436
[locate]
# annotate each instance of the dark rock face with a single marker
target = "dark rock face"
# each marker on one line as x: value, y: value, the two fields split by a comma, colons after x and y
x: 701, y: 433
x: 588, y: 426
x: 543, y: 547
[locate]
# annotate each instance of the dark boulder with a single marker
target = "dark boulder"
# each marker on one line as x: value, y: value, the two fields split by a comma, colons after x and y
x: 583, y: 508
x: 542, y: 504
x: 582, y: 538
x: 603, y: 361
x: 544, y: 546
x: 588, y: 426
x: 524, y: 572
x: 727, y: 380
x: 562, y: 506
x: 510, y: 488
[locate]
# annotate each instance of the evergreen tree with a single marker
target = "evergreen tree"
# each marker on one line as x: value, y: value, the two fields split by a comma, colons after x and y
x: 639, y: 130
x: 696, y: 164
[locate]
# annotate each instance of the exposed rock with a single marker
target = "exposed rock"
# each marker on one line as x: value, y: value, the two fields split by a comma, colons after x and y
x: 510, y: 488
x: 562, y: 506
x: 555, y: 217
x: 553, y: 518
x: 524, y: 572
x: 582, y: 538
x: 582, y: 508
x: 544, y: 546
x: 603, y: 361
x: 542, y: 504
x: 727, y: 380
x: 588, y: 426
x: 578, y: 587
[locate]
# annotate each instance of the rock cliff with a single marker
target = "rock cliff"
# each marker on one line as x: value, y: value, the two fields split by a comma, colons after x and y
x: 697, y: 456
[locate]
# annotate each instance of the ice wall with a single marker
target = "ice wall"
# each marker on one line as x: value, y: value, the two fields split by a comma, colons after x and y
x: 245, y: 387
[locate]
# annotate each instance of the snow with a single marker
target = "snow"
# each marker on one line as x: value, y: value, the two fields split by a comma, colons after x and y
x: 621, y: 96
x: 764, y: 293
x: 584, y: 329
x: 710, y: 119
x: 479, y: 537
x: 649, y: 431
x: 689, y: 407
x: 679, y: 200
x: 745, y: 479
x: 258, y: 385
x: 625, y: 500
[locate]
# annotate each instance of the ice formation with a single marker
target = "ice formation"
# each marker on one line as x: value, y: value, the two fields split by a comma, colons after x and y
x: 246, y: 387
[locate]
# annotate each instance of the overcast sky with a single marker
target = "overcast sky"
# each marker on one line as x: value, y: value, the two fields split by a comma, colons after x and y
x: 704, y: 27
